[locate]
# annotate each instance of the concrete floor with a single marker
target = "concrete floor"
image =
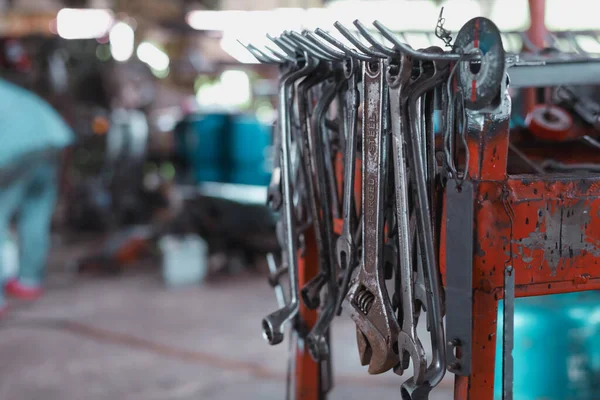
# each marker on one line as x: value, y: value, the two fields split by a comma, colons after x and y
x: 129, y: 338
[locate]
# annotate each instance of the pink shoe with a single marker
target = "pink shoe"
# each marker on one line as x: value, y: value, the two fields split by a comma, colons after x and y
x: 15, y: 289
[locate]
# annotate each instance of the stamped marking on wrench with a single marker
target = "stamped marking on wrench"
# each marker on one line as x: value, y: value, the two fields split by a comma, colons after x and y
x: 371, y: 308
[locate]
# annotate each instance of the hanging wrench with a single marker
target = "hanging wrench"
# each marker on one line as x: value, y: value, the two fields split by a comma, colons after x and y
x: 433, y: 73
x: 346, y: 250
x: 312, y: 289
x: 273, y: 324
x: 370, y: 308
x: 316, y: 339
x: 410, y: 347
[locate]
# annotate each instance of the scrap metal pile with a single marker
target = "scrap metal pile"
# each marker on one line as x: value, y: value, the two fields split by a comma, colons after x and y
x: 375, y: 163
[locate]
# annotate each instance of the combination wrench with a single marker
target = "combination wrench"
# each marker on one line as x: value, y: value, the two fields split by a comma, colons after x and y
x: 316, y: 339
x: 345, y: 245
x: 410, y: 348
x: 273, y: 325
x: 312, y: 289
x: 433, y: 73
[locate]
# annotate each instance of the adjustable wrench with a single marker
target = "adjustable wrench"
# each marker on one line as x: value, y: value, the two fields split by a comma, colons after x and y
x: 370, y: 308
x: 433, y: 73
x: 274, y: 323
x: 410, y: 347
x: 345, y: 247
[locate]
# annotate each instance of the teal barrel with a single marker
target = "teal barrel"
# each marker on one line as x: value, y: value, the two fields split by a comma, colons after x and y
x: 202, y: 141
x: 556, y: 347
x: 249, y: 143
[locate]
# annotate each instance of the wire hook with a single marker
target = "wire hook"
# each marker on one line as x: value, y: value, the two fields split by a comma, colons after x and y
x: 349, y: 52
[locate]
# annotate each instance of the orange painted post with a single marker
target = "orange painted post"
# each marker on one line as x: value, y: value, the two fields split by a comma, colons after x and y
x: 307, y: 372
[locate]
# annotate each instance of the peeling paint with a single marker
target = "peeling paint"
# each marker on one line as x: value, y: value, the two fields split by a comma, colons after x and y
x: 560, y: 234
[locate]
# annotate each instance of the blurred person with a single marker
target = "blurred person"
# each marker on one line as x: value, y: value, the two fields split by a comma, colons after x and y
x: 32, y: 136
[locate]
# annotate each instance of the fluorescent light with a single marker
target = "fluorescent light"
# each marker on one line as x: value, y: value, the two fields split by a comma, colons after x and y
x: 121, y: 38
x: 74, y: 23
x: 215, y: 20
x: 157, y: 59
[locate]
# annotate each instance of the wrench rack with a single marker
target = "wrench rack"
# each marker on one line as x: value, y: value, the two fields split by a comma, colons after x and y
x: 497, y: 236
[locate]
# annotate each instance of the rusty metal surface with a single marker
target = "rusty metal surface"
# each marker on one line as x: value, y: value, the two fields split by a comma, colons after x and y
x: 545, y: 226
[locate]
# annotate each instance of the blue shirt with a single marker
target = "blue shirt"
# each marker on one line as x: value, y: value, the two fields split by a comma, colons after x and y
x: 28, y: 124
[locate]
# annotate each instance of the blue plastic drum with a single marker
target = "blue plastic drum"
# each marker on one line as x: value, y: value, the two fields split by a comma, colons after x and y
x: 556, y: 347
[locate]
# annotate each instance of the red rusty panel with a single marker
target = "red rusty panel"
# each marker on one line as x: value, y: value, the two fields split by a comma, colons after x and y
x: 552, y: 233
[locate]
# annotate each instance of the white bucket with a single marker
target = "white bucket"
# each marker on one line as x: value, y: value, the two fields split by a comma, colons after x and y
x: 184, y: 259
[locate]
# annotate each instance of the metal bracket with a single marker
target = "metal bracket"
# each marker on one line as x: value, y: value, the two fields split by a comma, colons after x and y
x: 459, y: 275
x: 508, y: 317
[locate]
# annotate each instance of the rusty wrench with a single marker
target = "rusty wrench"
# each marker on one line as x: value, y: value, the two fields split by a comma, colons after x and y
x: 370, y: 308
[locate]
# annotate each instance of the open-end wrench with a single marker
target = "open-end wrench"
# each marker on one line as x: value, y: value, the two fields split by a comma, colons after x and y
x: 371, y: 308
x: 410, y: 348
x: 433, y: 73
x: 317, y: 338
x: 274, y: 324
x: 345, y: 245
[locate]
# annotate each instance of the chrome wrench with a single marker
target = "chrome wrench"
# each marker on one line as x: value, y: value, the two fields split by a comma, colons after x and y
x: 433, y: 73
x: 317, y: 339
x: 274, y: 324
x: 410, y: 347
x: 345, y: 247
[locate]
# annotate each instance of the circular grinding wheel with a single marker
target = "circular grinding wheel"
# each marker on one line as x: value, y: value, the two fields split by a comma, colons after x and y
x: 480, y: 79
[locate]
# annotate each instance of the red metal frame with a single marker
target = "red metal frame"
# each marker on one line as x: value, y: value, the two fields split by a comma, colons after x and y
x: 546, y: 227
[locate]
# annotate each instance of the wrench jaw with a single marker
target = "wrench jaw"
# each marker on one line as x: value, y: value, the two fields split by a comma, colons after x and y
x: 412, y: 350
x: 364, y: 350
x: 377, y: 342
x: 311, y: 292
x: 273, y: 325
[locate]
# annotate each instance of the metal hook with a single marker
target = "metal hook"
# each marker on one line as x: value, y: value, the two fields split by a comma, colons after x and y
x: 309, y: 46
x: 258, y: 55
x: 374, y: 42
x: 349, y: 52
x: 403, y: 48
x: 290, y: 50
x: 272, y: 58
x: 357, y: 43
x: 325, y: 48
x: 281, y: 55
